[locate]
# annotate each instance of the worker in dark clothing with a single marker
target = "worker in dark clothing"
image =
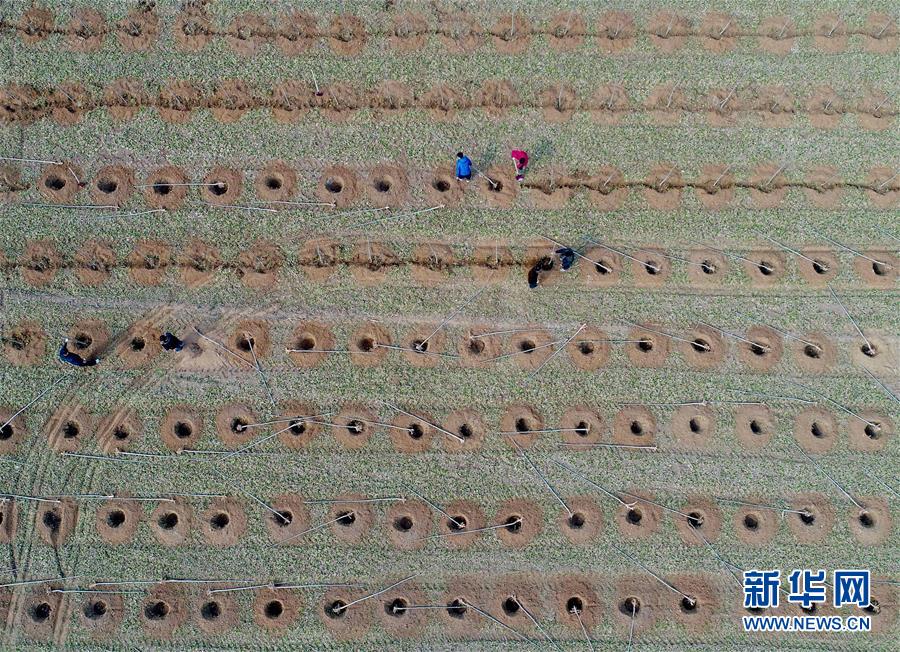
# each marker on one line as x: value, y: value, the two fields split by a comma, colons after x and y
x: 170, y: 343
x: 73, y: 358
x: 566, y: 257
x: 463, y: 167
x: 545, y: 264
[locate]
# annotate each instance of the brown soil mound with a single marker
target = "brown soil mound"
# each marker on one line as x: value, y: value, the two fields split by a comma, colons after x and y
x: 871, y: 525
x: 388, y: 186
x: 499, y: 189
x: 297, y: 433
x: 698, y: 611
x: 531, y: 348
x: 523, y: 520
x: 177, y: 100
x: 640, y: 519
x: 60, y: 183
x: 223, y: 522
x: 707, y: 348
x: 347, y: 34
x: 708, y: 268
x: 576, y: 602
x: 704, y: 518
x: 668, y: 31
x: 615, y: 31
x: 511, y: 34
x: 338, y: 184
x: 724, y: 106
x: 250, y: 337
x: 170, y: 522
x: 775, y: 107
x: 816, y: 430
x: 883, y: 606
x: 755, y: 526
x: 198, y: 263
x: 880, y: 274
x: 354, y: 426
x: 715, y: 187
x: 390, y: 97
x: 139, y: 30
x: 637, y: 599
x: 409, y: 31
x: 318, y: 258
x: 880, y: 33
x: 466, y: 424
x: 522, y: 419
x: 825, y: 108
x: 767, y: 268
x: 258, y: 265
x: 181, y: 428
x: 363, y: 345
x: 467, y: 516
x: 496, y: 96
x: 824, y: 190
x: 581, y: 425
x: 125, y: 97
x: 11, y: 182
x: 310, y: 336
x: 371, y: 261
x: 231, y: 100
x: 816, y: 523
x: 352, y: 520
x: 86, y: 30
x: 823, y: 268
x: 666, y: 104
x: 55, y: 522
x: 432, y: 262
x: 139, y: 345
x: 608, y: 104
x: 767, y: 185
x: 112, y: 185
x: 653, y: 270
x: 290, y: 100
x: 20, y: 104
x: 720, y: 32
x: 223, y: 186
x: 247, y: 33
x: 816, y: 357
x: 93, y: 262
x: 119, y: 430
x: 830, y: 33
x: 876, y: 111
x: 36, y: 24
x: 215, y: 614
x: 25, y: 343
x: 443, y: 188
x: 647, y: 348
x: 754, y: 426
x: 877, y: 355
x: 192, y: 31
x: 69, y: 103
x: 694, y: 426
x: 163, y: 611
x: 13, y: 433
x: 291, y: 519
x: 552, y: 189
x: 763, y: 350
x: 491, y: 262
x: 277, y: 181
x: 460, y: 32
x: 458, y: 620
x: 231, y: 425
x: 606, y: 270
x: 443, y: 101
x: 584, y: 524
x: 884, y: 187
x: 340, y: 101
x: 117, y: 521
x: 41, y: 611
x: 778, y: 35
x: 347, y: 624
x: 148, y: 261
x: 295, y: 33
x: 395, y: 618
x: 663, y: 187
x: 163, y: 190
x: 634, y: 426
x: 102, y: 614
x: 566, y: 31
x: 512, y: 595
x: 414, y: 435
x: 873, y: 436
x: 39, y: 262
x: 69, y: 427
x: 408, y: 523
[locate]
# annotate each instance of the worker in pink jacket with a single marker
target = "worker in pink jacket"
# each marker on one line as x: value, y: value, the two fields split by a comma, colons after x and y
x: 520, y: 157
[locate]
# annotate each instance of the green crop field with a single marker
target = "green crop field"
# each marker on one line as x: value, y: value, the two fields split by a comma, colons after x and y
x: 377, y: 435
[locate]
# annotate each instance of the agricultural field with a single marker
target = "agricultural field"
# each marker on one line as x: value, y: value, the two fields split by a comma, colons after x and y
x: 377, y: 435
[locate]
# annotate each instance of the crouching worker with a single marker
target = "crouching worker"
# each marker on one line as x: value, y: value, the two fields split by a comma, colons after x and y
x: 463, y: 167
x: 74, y: 359
x: 520, y: 158
x: 170, y: 343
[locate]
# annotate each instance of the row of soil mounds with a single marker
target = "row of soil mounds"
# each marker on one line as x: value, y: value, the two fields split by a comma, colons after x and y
x: 291, y: 100
x: 390, y: 185
x: 701, y: 347
x: 430, y: 263
x: 464, y: 606
x: 691, y: 426
x: 412, y: 524
x: 459, y: 32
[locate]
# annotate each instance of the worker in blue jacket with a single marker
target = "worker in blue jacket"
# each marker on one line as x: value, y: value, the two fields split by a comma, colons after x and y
x: 463, y: 167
